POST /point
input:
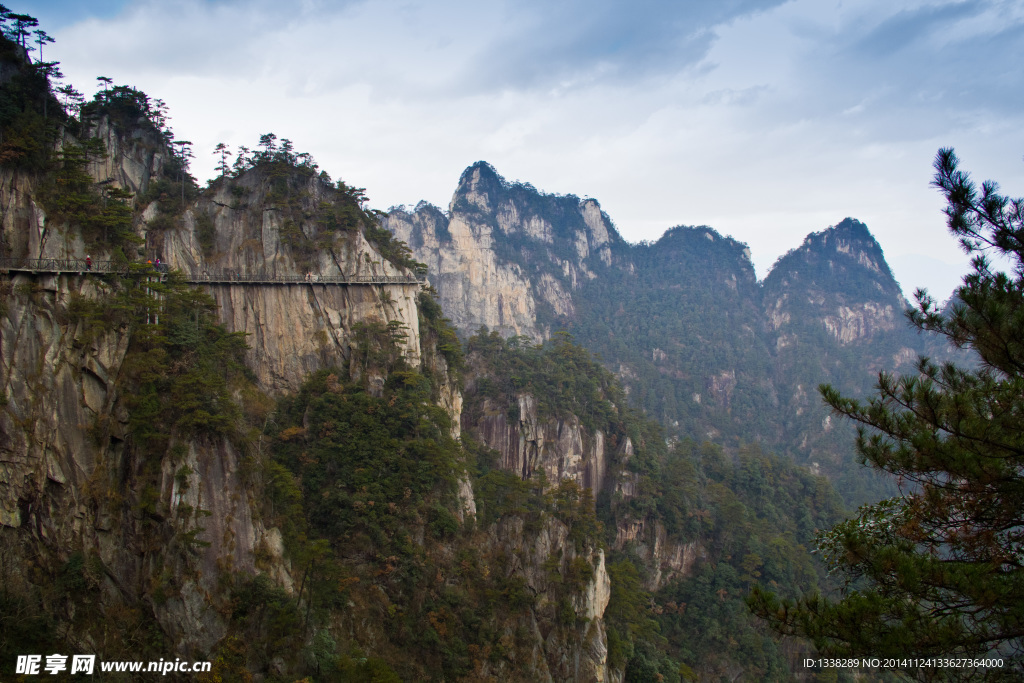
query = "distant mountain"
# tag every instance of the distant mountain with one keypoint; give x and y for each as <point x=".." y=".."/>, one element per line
<point x="697" y="341"/>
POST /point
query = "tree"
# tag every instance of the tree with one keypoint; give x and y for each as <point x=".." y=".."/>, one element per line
<point x="242" y="162"/>
<point x="268" y="142"/>
<point x="22" y="24"/>
<point x="48" y="70"/>
<point x="106" y="81"/>
<point x="223" y="152"/>
<point x="287" y="151"/>
<point x="41" y="39"/>
<point x="939" y="569"/>
<point x="184" y="154"/>
<point x="160" y="114"/>
<point x="72" y="99"/>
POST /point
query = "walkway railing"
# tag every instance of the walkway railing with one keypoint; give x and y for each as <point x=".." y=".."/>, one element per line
<point x="61" y="265"/>
<point x="227" y="277"/>
<point x="239" y="277"/>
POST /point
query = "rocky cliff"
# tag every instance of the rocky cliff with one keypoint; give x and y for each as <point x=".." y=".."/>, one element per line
<point x="75" y="482"/>
<point x="292" y="330"/>
<point x="507" y="257"/>
<point x="837" y="315"/>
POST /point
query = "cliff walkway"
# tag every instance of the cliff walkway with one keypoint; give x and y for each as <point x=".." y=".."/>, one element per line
<point x="206" y="277"/>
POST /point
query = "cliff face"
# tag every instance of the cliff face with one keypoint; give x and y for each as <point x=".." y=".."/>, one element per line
<point x="561" y="449"/>
<point x="567" y="652"/>
<point x="836" y="314"/>
<point x="293" y="330"/>
<point x="71" y="485"/>
<point x="837" y="279"/>
<point x="74" y="484"/>
<point x="507" y="257"/>
<point x="550" y="416"/>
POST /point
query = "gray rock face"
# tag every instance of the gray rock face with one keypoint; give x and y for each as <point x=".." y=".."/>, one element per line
<point x="477" y="290"/>
<point x="833" y="297"/>
<point x="484" y="255"/>
<point x="132" y="159"/>
<point x="666" y="558"/>
<point x="53" y="392"/>
<point x="838" y="280"/>
<point x="561" y="449"/>
<point x="575" y="652"/>
<point x="296" y="329"/>
<point x="63" y="489"/>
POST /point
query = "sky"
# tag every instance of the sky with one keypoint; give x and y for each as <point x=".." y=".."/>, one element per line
<point x="764" y="119"/>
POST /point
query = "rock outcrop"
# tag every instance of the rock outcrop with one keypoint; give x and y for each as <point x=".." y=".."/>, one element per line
<point x="293" y="330"/>
<point x="561" y="449"/>
<point x="576" y="651"/>
<point x="506" y="257"/>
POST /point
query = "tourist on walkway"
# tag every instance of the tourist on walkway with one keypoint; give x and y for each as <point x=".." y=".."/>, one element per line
<point x="88" y="262"/>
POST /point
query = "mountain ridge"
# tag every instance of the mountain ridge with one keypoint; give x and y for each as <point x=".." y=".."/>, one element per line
<point x="698" y="340"/>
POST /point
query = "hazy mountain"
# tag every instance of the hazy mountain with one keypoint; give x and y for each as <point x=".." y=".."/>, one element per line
<point x="697" y="341"/>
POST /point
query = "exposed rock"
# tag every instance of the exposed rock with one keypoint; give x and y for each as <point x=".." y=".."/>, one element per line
<point x="666" y="559"/>
<point x="566" y="652"/>
<point x="293" y="330"/>
<point x="69" y="481"/>
<point x="564" y="265"/>
<point x="851" y="323"/>
<point x="479" y="281"/>
<point x="475" y="289"/>
<point x="721" y="386"/>
<point x="133" y="158"/>
<point x="562" y="449"/>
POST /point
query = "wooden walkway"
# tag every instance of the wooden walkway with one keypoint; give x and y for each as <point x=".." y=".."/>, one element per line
<point x="207" y="277"/>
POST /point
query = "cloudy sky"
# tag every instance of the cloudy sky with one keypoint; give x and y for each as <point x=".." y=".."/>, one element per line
<point x="764" y="119"/>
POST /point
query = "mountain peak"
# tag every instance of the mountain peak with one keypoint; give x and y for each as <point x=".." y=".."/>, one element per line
<point x="853" y="227"/>
<point x="834" y="259"/>
<point x="838" y="237"/>
<point x="481" y="173"/>
<point x="479" y="185"/>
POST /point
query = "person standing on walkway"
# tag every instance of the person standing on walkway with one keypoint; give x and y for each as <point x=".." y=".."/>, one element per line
<point x="88" y="262"/>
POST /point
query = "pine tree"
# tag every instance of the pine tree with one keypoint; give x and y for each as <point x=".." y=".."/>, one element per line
<point x="42" y="38"/>
<point x="223" y="151"/>
<point x="939" y="569"/>
<point x="22" y="24"/>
